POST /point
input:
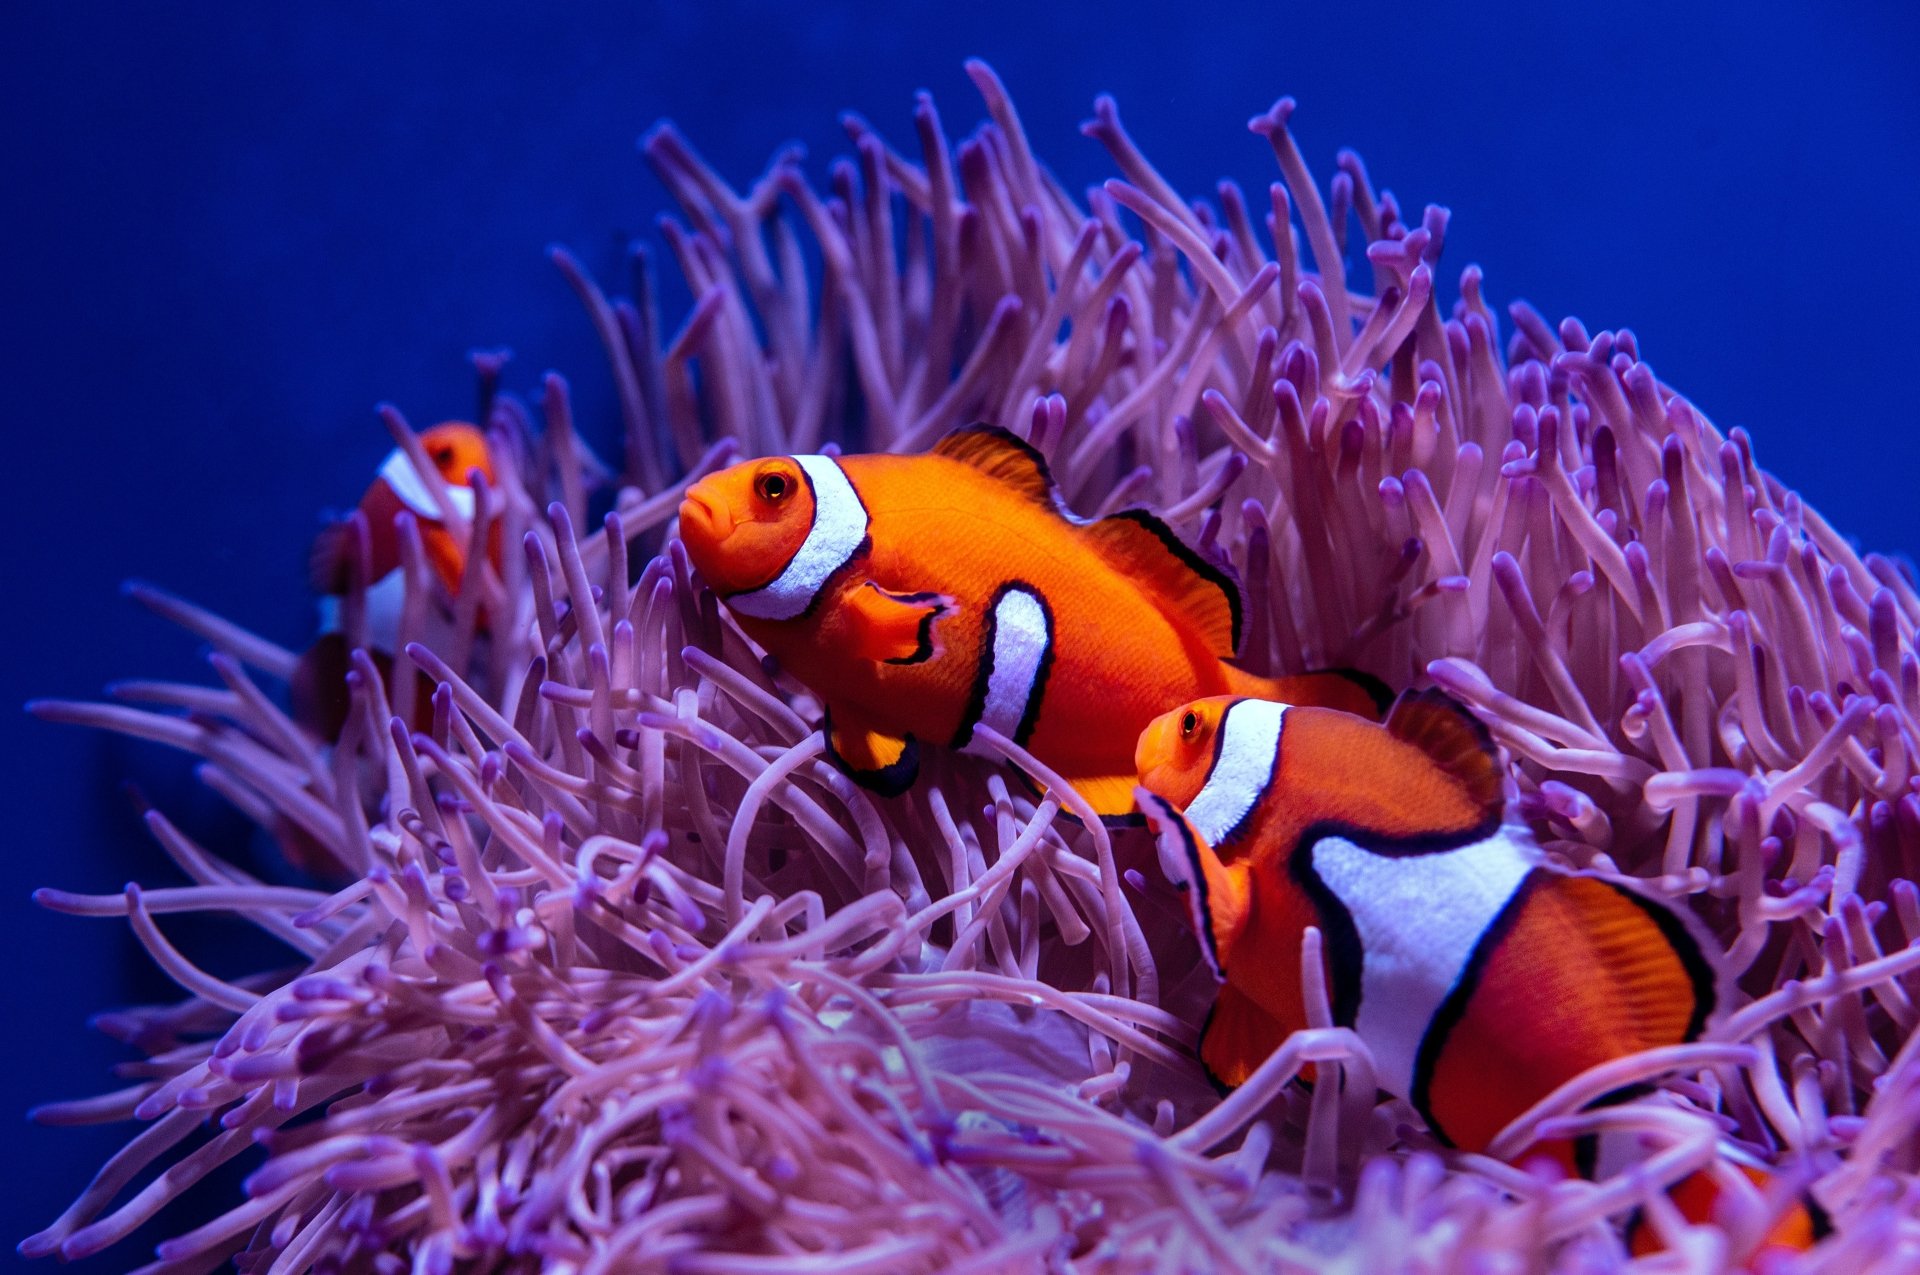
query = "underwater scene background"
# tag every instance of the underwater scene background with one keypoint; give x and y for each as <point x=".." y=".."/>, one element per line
<point x="229" y="234"/>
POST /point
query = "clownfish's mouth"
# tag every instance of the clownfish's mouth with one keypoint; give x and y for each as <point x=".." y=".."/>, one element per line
<point x="704" y="521"/>
<point x="1153" y="749"/>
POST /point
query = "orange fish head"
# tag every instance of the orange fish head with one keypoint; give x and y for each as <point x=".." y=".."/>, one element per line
<point x="458" y="449"/>
<point x="743" y="525"/>
<point x="1176" y="749"/>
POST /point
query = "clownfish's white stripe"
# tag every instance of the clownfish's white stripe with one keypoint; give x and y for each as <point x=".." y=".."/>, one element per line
<point x="397" y="472"/>
<point x="385" y="597"/>
<point x="1242" y="769"/>
<point x="1419" y="918"/>
<point x="1022" y="635"/>
<point x="839" y="528"/>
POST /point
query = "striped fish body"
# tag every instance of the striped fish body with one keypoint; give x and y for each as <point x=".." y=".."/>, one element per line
<point x="933" y="594"/>
<point x="1480" y="977"/>
<point x="457" y="451"/>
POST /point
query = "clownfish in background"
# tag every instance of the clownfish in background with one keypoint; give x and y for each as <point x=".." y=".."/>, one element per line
<point x="1480" y="977"/>
<point x="921" y="596"/>
<point x="458" y="451"/>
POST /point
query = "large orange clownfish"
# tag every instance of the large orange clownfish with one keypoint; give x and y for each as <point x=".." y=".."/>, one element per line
<point x="1480" y="977"/>
<point x="458" y="452"/>
<point x="923" y="596"/>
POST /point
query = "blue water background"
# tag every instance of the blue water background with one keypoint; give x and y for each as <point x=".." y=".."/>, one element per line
<point x="228" y="231"/>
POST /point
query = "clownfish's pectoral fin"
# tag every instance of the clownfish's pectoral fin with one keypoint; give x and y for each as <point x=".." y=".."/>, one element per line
<point x="894" y="628"/>
<point x="1239" y="1035"/>
<point x="886" y="764"/>
<point x="1219" y="895"/>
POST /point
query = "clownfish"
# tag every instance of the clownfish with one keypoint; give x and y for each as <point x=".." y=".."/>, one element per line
<point x="1480" y="977"/>
<point x="458" y="451"/>
<point x="920" y="597"/>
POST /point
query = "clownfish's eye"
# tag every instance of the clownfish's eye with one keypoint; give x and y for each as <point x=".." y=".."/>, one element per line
<point x="443" y="457"/>
<point x="773" y="487"/>
<point x="1189" y="725"/>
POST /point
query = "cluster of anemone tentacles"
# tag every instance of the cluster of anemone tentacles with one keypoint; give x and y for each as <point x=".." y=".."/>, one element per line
<point x="617" y="972"/>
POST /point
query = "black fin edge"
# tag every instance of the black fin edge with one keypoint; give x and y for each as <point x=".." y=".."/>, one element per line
<point x="1191" y="559"/>
<point x="924" y="651"/>
<point x="888" y="781"/>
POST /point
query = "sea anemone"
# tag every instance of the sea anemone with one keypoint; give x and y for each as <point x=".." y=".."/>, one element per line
<point x="616" y="971"/>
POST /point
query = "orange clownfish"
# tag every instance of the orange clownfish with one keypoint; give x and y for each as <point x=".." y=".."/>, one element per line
<point x="458" y="451"/>
<point x="1480" y="977"/>
<point x="923" y="596"/>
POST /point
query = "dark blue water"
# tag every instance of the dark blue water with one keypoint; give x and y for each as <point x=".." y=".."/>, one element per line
<point x="226" y="234"/>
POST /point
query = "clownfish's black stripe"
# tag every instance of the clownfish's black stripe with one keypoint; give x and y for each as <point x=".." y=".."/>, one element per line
<point x="1192" y="561"/>
<point x="976" y="702"/>
<point x="1819" y="1218"/>
<point x="924" y="651"/>
<point x="1340" y="938"/>
<point x="1454" y="1007"/>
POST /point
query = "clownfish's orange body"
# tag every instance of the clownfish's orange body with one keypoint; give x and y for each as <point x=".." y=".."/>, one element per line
<point x="922" y="596"/>
<point x="458" y="452"/>
<point x="1480" y="977"/>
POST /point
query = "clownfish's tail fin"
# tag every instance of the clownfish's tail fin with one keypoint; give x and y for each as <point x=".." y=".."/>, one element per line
<point x="1348" y="690"/>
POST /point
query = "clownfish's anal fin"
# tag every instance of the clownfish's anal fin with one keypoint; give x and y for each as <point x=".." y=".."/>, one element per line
<point x="1111" y="796"/>
<point x="1239" y="1035"/>
<point x="1005" y="457"/>
<point x="893" y="628"/>
<point x="886" y="764"/>
<point x="1442" y="728"/>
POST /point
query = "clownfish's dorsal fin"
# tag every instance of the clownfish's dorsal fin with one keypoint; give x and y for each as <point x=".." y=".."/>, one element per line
<point x="1140" y="546"/>
<point x="1455" y="740"/>
<point x="1004" y="456"/>
<point x="1133" y="542"/>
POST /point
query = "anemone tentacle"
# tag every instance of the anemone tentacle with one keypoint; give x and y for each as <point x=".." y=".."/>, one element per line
<point x="621" y="973"/>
